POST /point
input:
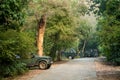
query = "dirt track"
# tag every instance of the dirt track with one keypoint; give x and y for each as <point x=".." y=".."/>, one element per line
<point x="77" y="69"/>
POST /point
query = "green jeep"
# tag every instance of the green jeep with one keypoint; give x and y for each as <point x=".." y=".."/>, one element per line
<point x="71" y="54"/>
<point x="42" y="62"/>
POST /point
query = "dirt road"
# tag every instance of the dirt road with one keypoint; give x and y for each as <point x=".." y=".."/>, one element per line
<point x="77" y="69"/>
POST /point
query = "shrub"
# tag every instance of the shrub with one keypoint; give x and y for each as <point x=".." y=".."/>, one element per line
<point x="14" y="43"/>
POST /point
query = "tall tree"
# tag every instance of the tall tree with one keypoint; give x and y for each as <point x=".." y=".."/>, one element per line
<point x="85" y="31"/>
<point x="59" y="28"/>
<point x="109" y="29"/>
<point x="61" y="22"/>
<point x="41" y="31"/>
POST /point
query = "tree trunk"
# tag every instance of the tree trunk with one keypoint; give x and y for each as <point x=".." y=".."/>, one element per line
<point x="59" y="56"/>
<point x="40" y="37"/>
<point x="83" y="49"/>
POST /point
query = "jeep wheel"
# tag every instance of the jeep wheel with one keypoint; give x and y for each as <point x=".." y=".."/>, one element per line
<point x="43" y="65"/>
<point x="70" y="57"/>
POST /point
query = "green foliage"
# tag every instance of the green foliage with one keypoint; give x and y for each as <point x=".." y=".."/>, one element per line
<point x="109" y="29"/>
<point x="62" y="20"/>
<point x="12" y="14"/>
<point x="25" y="44"/>
<point x="87" y="36"/>
<point x="98" y="6"/>
<point x="13" y="69"/>
<point x="12" y="42"/>
<point x="59" y="30"/>
<point x="15" y="44"/>
<point x="92" y="42"/>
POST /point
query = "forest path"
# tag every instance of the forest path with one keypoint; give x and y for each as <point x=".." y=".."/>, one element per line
<point x="76" y="69"/>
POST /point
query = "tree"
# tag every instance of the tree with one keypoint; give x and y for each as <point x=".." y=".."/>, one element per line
<point x="108" y="28"/>
<point x="86" y="32"/>
<point x="62" y="25"/>
<point x="12" y="14"/>
<point x="40" y="37"/>
<point x="62" y="19"/>
<point x="58" y="30"/>
<point x="13" y="41"/>
<point x="98" y="6"/>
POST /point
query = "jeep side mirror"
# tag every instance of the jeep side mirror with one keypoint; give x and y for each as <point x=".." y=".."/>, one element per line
<point x="33" y="56"/>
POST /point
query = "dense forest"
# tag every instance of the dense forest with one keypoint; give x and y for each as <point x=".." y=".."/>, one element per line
<point x="48" y="27"/>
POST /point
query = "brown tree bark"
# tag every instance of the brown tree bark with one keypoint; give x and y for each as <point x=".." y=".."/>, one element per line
<point x="84" y="45"/>
<point x="59" y="56"/>
<point x="40" y="35"/>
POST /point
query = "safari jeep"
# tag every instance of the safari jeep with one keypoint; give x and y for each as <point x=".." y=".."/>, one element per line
<point x="42" y="62"/>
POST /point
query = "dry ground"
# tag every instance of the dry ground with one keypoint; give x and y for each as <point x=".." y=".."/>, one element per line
<point x="106" y="71"/>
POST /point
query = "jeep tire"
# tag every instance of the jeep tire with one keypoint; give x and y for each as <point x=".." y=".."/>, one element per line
<point x="43" y="65"/>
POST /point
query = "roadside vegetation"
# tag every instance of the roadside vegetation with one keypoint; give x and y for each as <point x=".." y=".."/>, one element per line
<point x="108" y="28"/>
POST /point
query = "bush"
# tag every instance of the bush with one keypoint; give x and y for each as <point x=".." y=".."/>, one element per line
<point x="13" y="69"/>
<point x="14" y="43"/>
<point x="114" y="55"/>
